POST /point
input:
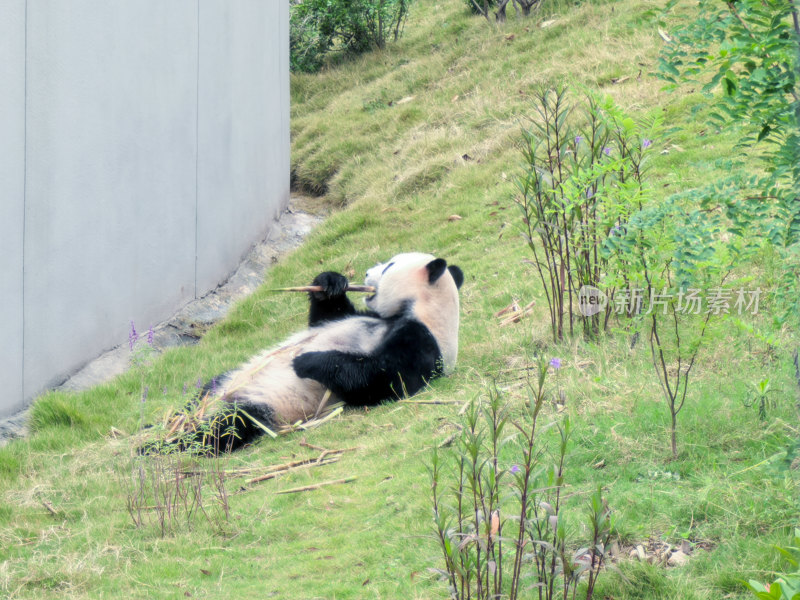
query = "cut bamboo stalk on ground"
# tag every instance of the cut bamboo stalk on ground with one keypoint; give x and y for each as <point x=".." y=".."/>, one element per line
<point x="316" y="486"/>
<point x="48" y="506"/>
<point x="322" y="403"/>
<point x="433" y="402"/>
<point x="513" y="307"/>
<point x="516" y="314"/>
<point x="305" y="444"/>
<point x="305" y="425"/>
<point x="312" y="463"/>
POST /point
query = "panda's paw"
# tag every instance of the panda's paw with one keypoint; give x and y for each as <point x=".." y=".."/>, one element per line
<point x="332" y="284"/>
<point x="307" y="365"/>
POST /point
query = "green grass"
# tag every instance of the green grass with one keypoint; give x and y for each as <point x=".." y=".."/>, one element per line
<point x="397" y="171"/>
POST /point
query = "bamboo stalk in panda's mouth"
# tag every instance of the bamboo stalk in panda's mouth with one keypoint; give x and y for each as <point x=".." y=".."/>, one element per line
<point x="318" y="288"/>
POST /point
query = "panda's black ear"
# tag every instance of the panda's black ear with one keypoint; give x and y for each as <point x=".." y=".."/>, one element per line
<point x="435" y="269"/>
<point x="458" y="275"/>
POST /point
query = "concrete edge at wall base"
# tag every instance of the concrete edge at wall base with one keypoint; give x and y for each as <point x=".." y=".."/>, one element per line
<point x="114" y="361"/>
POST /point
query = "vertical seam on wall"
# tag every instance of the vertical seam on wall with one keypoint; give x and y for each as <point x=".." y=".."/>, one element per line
<point x="287" y="99"/>
<point x="281" y="88"/>
<point x="24" y="189"/>
<point x="197" y="153"/>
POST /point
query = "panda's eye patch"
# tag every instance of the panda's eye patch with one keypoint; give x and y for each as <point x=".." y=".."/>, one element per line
<point x="386" y="268"/>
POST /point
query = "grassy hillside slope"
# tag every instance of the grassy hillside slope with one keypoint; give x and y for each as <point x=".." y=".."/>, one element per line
<point x="400" y="141"/>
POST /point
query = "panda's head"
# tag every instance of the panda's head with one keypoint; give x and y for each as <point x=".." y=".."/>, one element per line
<point x="424" y="287"/>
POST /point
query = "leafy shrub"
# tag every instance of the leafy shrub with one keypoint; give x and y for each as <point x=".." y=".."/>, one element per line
<point x="478" y="7"/>
<point x="787" y="585"/>
<point x="498" y="539"/>
<point x="595" y="234"/>
<point x="582" y="182"/>
<point x="307" y="47"/>
<point x="674" y="262"/>
<point x="482" y="7"/>
<point x="173" y="491"/>
<point x="750" y="50"/>
<point x="319" y="27"/>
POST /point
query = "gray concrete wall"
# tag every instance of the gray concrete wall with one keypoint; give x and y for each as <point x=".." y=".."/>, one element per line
<point x="144" y="146"/>
<point x="12" y="199"/>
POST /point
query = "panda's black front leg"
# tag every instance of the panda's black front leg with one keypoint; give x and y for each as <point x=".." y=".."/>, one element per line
<point x="357" y="379"/>
<point x="332" y="302"/>
<point x="398" y="367"/>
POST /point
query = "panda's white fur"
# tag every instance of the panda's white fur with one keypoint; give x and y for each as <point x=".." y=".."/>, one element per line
<point x="408" y="336"/>
<point x="269" y="378"/>
<point x="436" y="306"/>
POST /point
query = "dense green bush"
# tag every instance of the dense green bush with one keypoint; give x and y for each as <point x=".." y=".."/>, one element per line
<point x="787" y="585"/>
<point x="320" y="27"/>
<point x="749" y="51"/>
<point x="477" y="6"/>
<point x="483" y="7"/>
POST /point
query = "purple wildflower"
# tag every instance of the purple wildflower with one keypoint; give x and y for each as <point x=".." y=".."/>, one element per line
<point x="589" y="193"/>
<point x="555" y="363"/>
<point x="150" y="335"/>
<point x="133" y="337"/>
<point x="199" y="384"/>
<point x="607" y="151"/>
<point x="646" y="143"/>
<point x="578" y="139"/>
<point x="184" y="388"/>
<point x="145" y="392"/>
<point x="514" y="469"/>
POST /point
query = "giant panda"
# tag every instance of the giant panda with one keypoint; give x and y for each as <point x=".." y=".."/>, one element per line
<point x="407" y="336"/>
